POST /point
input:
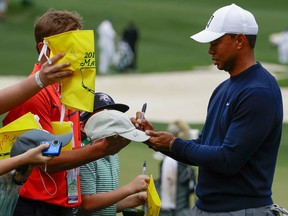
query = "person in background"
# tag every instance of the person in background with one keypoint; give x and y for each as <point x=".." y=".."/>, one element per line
<point x="279" y="40"/>
<point x="3" y="10"/>
<point x="101" y="194"/>
<point x="106" y="45"/>
<point x="177" y="180"/>
<point x="237" y="149"/>
<point x="283" y="48"/>
<point x="131" y="36"/>
<point x="46" y="191"/>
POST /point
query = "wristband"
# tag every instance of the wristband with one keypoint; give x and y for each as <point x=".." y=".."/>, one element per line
<point x="38" y="80"/>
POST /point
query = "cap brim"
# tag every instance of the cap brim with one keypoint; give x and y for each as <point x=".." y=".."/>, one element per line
<point x="64" y="138"/>
<point x="135" y="135"/>
<point x="206" y="36"/>
<point x="120" y="107"/>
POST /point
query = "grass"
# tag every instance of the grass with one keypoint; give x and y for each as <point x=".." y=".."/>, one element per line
<point x="283" y="82"/>
<point x="165" y="28"/>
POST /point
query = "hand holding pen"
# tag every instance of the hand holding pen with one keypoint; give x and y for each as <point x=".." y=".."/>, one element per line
<point x="143" y="111"/>
<point x="140" y="121"/>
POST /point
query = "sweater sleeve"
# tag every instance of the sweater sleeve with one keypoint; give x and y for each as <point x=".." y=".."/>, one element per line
<point x="252" y="121"/>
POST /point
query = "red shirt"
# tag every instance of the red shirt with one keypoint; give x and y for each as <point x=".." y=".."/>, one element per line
<point x="47" y="105"/>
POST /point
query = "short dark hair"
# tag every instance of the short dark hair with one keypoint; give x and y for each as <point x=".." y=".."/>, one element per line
<point x="55" y="22"/>
<point x="251" y="39"/>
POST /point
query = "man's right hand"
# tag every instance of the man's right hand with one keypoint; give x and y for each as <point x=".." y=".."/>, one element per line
<point x="141" y="124"/>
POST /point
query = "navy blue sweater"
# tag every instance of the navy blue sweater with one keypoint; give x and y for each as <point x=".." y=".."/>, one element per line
<point x="237" y="149"/>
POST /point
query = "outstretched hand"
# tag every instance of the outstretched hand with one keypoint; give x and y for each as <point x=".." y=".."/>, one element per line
<point x="35" y="156"/>
<point x="52" y="73"/>
<point x="141" y="124"/>
<point x="112" y="145"/>
<point x="159" y="140"/>
<point x="139" y="183"/>
<point x="142" y="196"/>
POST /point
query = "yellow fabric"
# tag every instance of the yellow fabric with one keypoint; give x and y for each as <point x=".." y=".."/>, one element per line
<point x="153" y="199"/>
<point x="10" y="132"/>
<point x="65" y="127"/>
<point x="77" y="93"/>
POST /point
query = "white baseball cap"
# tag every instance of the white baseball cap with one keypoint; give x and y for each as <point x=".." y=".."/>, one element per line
<point x="230" y="19"/>
<point x="108" y="123"/>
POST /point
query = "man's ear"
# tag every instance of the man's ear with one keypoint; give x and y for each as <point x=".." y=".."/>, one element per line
<point x="240" y="40"/>
<point x="39" y="46"/>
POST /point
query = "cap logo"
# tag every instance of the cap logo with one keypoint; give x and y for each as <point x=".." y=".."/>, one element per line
<point x="106" y="99"/>
<point x="209" y="22"/>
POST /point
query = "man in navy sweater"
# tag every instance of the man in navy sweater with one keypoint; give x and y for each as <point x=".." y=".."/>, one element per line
<point x="237" y="149"/>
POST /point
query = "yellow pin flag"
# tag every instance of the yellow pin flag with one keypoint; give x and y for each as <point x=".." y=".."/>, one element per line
<point x="11" y="131"/>
<point x="77" y="92"/>
<point x="153" y="199"/>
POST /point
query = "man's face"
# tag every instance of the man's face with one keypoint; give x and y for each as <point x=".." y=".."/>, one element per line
<point x="223" y="52"/>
